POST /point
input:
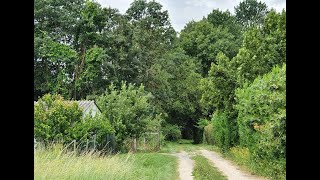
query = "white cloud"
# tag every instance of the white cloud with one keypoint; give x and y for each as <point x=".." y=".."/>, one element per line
<point x="183" y="11"/>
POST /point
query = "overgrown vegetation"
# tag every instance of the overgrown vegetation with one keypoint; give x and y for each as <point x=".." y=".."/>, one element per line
<point x="55" y="162"/>
<point x="262" y="121"/>
<point x="57" y="120"/>
<point x="221" y="81"/>
<point x="129" y="111"/>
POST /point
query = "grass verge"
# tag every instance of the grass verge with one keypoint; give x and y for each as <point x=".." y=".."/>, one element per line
<point x="54" y="163"/>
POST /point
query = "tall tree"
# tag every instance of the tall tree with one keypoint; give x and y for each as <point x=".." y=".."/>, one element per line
<point x="217" y="100"/>
<point x="54" y="24"/>
<point x="67" y="34"/>
<point x="226" y="20"/>
<point x="263" y="48"/>
<point x="203" y="41"/>
<point x="151" y="36"/>
<point x="251" y="13"/>
<point x="174" y="83"/>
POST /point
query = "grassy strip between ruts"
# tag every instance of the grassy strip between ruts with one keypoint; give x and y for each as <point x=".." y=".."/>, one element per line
<point x="204" y="170"/>
<point x="53" y="163"/>
<point x="152" y="166"/>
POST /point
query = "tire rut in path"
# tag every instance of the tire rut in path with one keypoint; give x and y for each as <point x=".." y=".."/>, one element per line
<point x="185" y="166"/>
<point x="226" y="167"/>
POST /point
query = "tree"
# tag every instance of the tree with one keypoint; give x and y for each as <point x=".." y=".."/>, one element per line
<point x="217" y="98"/>
<point x="54" y="22"/>
<point x="52" y="66"/>
<point x="262" y="48"/>
<point x="174" y="84"/>
<point x="227" y="20"/>
<point x="218" y="88"/>
<point x="203" y="41"/>
<point x="152" y="34"/>
<point x="251" y="13"/>
<point x="64" y="32"/>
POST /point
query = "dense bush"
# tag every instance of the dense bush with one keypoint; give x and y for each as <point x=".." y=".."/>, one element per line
<point x="221" y="130"/>
<point x="54" y="118"/>
<point x="97" y="129"/>
<point x="128" y="109"/>
<point x="262" y="120"/>
<point x="58" y="120"/>
<point x="208" y="134"/>
<point x="171" y="132"/>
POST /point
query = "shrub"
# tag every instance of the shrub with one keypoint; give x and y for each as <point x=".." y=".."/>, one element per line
<point x="54" y="119"/>
<point x="262" y="120"/>
<point x="208" y="134"/>
<point x="171" y="132"/>
<point x="221" y="130"/>
<point x="128" y="109"/>
<point x="96" y="128"/>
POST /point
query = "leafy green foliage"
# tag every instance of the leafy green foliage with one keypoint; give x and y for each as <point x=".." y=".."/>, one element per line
<point x="59" y="120"/>
<point x="225" y="19"/>
<point x="218" y="95"/>
<point x="263" y="48"/>
<point x="95" y="128"/>
<point x="174" y="83"/>
<point x="54" y="119"/>
<point x="218" y="88"/>
<point x="208" y="137"/>
<point x="262" y="120"/>
<point x="67" y="37"/>
<point x="222" y="130"/>
<point x="171" y="132"/>
<point x="128" y="109"/>
<point x="204" y="41"/>
<point x="251" y="13"/>
<point x="152" y="34"/>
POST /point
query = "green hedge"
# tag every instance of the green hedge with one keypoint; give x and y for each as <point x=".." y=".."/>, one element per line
<point x="262" y="120"/>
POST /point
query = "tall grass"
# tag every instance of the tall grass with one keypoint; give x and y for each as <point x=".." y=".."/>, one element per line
<point x="153" y="166"/>
<point x="56" y="162"/>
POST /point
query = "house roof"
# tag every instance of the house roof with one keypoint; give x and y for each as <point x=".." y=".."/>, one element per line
<point x="83" y="104"/>
<point x="86" y="104"/>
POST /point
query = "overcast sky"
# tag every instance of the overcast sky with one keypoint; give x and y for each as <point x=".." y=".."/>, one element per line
<point x="183" y="11"/>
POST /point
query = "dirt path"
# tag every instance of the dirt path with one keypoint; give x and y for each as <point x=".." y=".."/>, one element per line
<point x="185" y="165"/>
<point x="228" y="169"/>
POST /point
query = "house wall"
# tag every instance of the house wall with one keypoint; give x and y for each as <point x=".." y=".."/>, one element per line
<point x="94" y="110"/>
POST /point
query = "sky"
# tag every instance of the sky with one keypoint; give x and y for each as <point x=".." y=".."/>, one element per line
<point x="183" y="11"/>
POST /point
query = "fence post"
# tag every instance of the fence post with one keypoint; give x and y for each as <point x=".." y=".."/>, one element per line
<point x="94" y="142"/>
<point x="159" y="140"/>
<point x="87" y="144"/>
<point x="135" y="144"/>
<point x="74" y="145"/>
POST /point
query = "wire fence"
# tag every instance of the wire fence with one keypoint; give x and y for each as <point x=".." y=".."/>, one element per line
<point x="148" y="142"/>
<point x="107" y="145"/>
